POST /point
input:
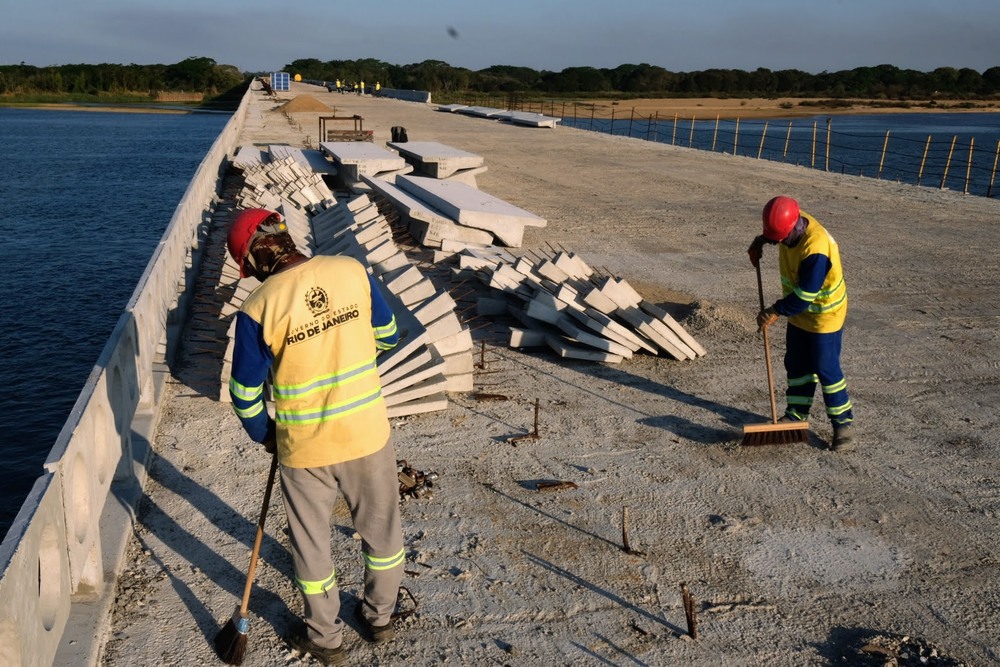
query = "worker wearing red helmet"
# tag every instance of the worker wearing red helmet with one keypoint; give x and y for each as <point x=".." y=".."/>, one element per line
<point x="314" y="326"/>
<point x="814" y="299"/>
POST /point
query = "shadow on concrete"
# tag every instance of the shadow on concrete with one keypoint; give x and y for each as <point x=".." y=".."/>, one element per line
<point x="230" y="577"/>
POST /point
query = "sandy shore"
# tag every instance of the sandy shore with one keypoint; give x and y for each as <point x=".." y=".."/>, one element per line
<point x="779" y="107"/>
<point x="700" y="108"/>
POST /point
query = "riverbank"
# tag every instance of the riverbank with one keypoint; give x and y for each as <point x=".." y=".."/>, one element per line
<point x="793" y="554"/>
<point x="702" y="108"/>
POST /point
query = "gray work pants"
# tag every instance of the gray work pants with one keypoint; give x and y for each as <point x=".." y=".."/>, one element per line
<point x="370" y="487"/>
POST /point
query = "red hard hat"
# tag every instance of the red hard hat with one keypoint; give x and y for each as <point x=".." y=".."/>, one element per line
<point x="780" y="215"/>
<point x="241" y="233"/>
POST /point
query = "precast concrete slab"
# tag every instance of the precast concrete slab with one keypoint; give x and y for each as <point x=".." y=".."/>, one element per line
<point x="358" y="158"/>
<point x="435" y="159"/>
<point x="473" y="208"/>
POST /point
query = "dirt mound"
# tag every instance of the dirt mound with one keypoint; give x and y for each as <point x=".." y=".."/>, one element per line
<point x="303" y="103"/>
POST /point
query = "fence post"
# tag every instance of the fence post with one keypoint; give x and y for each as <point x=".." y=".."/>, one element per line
<point x="828" y="123"/>
<point x="927" y="147"/>
<point x="715" y="134"/>
<point x="881" y="162"/>
<point x="673" y="136"/>
<point x="592" y="107"/>
<point x="630" y="119"/>
<point x="788" y="138"/>
<point x="612" y="133"/>
<point x="947" y="164"/>
<point x="736" y="136"/>
<point x="812" y="163"/>
<point x="989" y="190"/>
<point x="691" y="137"/>
<point x="968" y="167"/>
<point x="760" y="149"/>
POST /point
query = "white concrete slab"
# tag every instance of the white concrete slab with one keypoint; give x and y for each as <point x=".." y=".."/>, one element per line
<point x="473" y="208"/>
<point x="482" y="112"/>
<point x="435" y="159"/>
<point x="357" y="158"/>
<point x="528" y="118"/>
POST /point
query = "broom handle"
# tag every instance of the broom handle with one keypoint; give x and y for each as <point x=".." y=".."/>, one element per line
<point x="260" y="536"/>
<point x="767" y="351"/>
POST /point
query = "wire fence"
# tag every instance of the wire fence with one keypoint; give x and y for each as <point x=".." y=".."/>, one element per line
<point x="907" y="154"/>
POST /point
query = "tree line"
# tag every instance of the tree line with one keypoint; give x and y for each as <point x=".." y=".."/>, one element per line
<point x="644" y="80"/>
<point x="204" y="75"/>
<point x="197" y="75"/>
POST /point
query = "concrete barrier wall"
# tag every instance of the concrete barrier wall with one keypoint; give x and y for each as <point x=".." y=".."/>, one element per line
<point x="54" y="554"/>
<point x="408" y="95"/>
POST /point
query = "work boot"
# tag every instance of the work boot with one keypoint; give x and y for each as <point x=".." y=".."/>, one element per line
<point x="299" y="640"/>
<point x="843" y="439"/>
<point x="376" y="634"/>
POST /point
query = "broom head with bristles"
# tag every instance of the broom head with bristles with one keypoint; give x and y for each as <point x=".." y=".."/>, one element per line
<point x="231" y="642"/>
<point x="779" y="433"/>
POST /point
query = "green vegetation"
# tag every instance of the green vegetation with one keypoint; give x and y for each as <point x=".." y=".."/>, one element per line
<point x="881" y="82"/>
<point x="194" y="81"/>
<point x="203" y="78"/>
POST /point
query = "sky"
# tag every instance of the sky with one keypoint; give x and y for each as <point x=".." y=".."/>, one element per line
<point x="256" y="36"/>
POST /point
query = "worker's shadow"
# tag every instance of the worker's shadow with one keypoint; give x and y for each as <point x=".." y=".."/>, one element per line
<point x="203" y="558"/>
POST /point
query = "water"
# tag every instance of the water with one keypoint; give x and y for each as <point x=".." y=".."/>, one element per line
<point x="961" y="154"/>
<point x="86" y="198"/>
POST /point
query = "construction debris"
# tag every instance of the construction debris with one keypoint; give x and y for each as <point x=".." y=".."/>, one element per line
<point x="414" y="483"/>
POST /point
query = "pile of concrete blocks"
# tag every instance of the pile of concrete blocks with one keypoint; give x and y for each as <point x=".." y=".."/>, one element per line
<point x="434" y="355"/>
<point x="283" y="180"/>
<point x="562" y="304"/>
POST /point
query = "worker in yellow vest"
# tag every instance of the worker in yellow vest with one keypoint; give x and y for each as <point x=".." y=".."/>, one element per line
<point x="815" y="302"/>
<point x="315" y="326"/>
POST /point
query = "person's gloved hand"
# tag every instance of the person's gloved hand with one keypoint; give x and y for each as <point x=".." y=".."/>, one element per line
<point x="756" y="250"/>
<point x="270" y="441"/>
<point x="766" y="318"/>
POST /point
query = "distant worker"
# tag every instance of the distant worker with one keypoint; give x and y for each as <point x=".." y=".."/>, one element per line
<point x="378" y="86"/>
<point x="361" y="91"/>
<point x="338" y="86"/>
<point x="315" y="325"/>
<point x="815" y="302"/>
<point x="356" y="90"/>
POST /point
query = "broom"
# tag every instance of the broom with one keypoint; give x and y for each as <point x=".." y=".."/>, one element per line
<point x="774" y="433"/>
<point x="231" y="642"/>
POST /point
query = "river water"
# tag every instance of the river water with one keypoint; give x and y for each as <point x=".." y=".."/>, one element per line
<point x="86" y="198"/>
<point x="957" y="151"/>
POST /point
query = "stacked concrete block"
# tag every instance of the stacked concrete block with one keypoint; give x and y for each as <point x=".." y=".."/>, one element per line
<point x="428" y="227"/>
<point x="287" y="180"/>
<point x="355" y="159"/>
<point x="437" y="160"/>
<point x="561" y="303"/>
<point x="470" y="207"/>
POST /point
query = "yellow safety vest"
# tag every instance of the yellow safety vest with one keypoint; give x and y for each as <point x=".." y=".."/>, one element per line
<point x="828" y="307"/>
<point x="316" y="319"/>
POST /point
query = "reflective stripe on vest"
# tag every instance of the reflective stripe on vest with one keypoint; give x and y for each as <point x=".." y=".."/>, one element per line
<point x="327" y="412"/>
<point x="291" y="391"/>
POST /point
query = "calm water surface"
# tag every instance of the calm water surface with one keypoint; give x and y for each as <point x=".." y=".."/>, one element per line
<point x="86" y="198"/>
